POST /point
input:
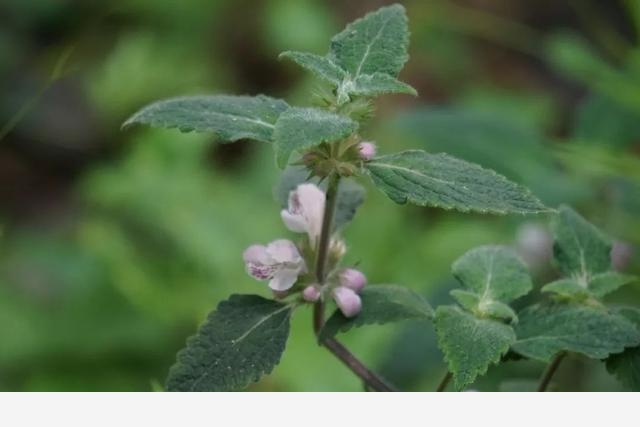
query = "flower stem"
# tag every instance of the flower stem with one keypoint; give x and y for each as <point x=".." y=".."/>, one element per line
<point x="550" y="371"/>
<point x="327" y="224"/>
<point x="444" y="382"/>
<point x="371" y="380"/>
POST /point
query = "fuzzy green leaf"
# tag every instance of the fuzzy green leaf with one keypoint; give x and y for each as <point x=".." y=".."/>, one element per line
<point x="377" y="42"/>
<point x="380" y="304"/>
<point x="468" y="300"/>
<point x="230" y="117"/>
<point x="595" y="332"/>
<point x="443" y="181"/>
<point x="300" y="128"/>
<point x="626" y="365"/>
<point x="580" y="249"/>
<point x="495" y="273"/>
<point x="604" y="283"/>
<point x="242" y="340"/>
<point x="321" y="66"/>
<point x="379" y="84"/>
<point x="567" y="288"/>
<point x="470" y="344"/>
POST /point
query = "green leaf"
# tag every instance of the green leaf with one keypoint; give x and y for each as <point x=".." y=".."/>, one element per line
<point x="468" y="300"/>
<point x="230" y="117"/>
<point x="567" y="288"/>
<point x="380" y="304"/>
<point x="350" y="193"/>
<point x="595" y="332"/>
<point x="377" y="42"/>
<point x="321" y="66"/>
<point x="470" y="344"/>
<point x="626" y="365"/>
<point x="379" y="84"/>
<point x="580" y="249"/>
<point x="498" y="310"/>
<point x="605" y="283"/>
<point x="300" y="128"/>
<point x="495" y="273"/>
<point x="350" y="197"/>
<point x="471" y="301"/>
<point x="443" y="181"/>
<point x="239" y="343"/>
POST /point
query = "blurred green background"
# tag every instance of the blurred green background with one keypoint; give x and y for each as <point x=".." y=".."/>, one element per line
<point x="114" y="245"/>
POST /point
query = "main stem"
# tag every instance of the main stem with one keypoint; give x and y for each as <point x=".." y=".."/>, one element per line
<point x="444" y="382"/>
<point x="341" y="352"/>
<point x="550" y="371"/>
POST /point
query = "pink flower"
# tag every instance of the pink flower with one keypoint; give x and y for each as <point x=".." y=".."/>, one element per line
<point x="352" y="279"/>
<point x="311" y="293"/>
<point x="367" y="150"/>
<point x="305" y="211"/>
<point x="347" y="300"/>
<point x="279" y="262"/>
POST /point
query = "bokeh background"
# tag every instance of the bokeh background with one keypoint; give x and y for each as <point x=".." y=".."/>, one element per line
<point x="114" y="245"/>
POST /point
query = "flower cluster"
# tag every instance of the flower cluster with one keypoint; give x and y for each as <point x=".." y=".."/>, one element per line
<point x="283" y="264"/>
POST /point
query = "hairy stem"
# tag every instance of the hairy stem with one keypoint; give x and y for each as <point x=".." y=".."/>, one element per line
<point x="445" y="381"/>
<point x="550" y="371"/>
<point x="371" y="380"/>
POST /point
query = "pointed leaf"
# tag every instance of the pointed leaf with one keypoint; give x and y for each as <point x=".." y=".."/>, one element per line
<point x="230" y="117"/>
<point x="626" y="365"/>
<point x="378" y="84"/>
<point x="380" y="304"/>
<point x="443" y="181"/>
<point x="300" y="128"/>
<point x="468" y="300"/>
<point x="604" y="283"/>
<point x="321" y="66"/>
<point x="567" y="288"/>
<point x="377" y="42"/>
<point x="495" y="273"/>
<point x="241" y="341"/>
<point x="470" y="344"/>
<point x="595" y="332"/>
<point x="580" y="249"/>
<point x="498" y="310"/>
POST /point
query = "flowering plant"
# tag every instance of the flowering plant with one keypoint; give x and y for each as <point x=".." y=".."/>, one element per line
<point x="246" y="335"/>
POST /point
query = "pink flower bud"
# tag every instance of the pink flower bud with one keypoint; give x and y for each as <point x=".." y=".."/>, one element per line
<point x="367" y="150"/>
<point x="311" y="294"/>
<point x="347" y="300"/>
<point x="353" y="279"/>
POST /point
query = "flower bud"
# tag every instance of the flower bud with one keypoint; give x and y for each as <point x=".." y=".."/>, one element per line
<point x="337" y="249"/>
<point x="621" y="254"/>
<point x="347" y="300"/>
<point x="367" y="150"/>
<point x="352" y="279"/>
<point x="311" y="293"/>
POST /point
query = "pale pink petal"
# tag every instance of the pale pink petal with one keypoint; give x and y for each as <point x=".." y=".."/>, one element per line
<point x="283" y="251"/>
<point x="311" y="293"/>
<point x="294" y="222"/>
<point x="347" y="300"/>
<point x="284" y="279"/>
<point x="367" y="150"/>
<point x="353" y="279"/>
<point x="258" y="263"/>
<point x="312" y="201"/>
